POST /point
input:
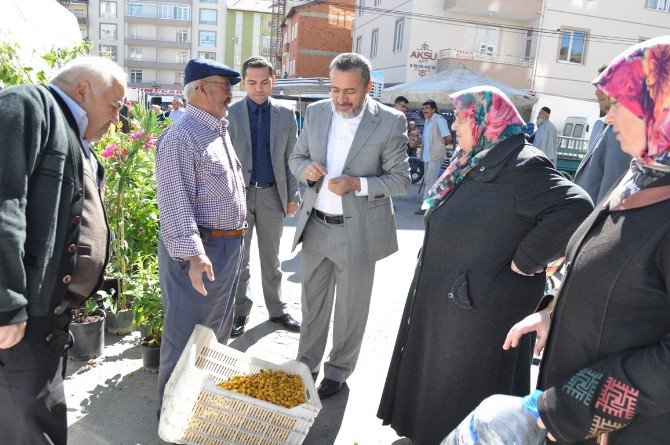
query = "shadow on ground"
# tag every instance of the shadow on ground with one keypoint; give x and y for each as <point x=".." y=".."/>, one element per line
<point x="327" y="424"/>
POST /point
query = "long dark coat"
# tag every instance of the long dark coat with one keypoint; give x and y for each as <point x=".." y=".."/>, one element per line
<point x="464" y="297"/>
<point x="607" y="361"/>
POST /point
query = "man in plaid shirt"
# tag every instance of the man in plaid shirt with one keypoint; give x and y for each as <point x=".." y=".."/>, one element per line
<point x="202" y="205"/>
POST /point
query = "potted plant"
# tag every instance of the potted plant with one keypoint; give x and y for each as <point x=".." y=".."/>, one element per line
<point x="149" y="314"/>
<point x="132" y="211"/>
<point x="88" y="330"/>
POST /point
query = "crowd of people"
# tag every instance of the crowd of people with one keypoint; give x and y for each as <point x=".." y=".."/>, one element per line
<point x="495" y="217"/>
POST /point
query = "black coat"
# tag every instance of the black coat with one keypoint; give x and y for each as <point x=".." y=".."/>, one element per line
<point x="607" y="360"/>
<point x="464" y="297"/>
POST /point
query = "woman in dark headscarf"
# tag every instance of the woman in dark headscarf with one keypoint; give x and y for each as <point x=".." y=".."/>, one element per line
<point x="495" y="218"/>
<point x="606" y="367"/>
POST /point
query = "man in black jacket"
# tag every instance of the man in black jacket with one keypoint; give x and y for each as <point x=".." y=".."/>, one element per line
<point x="54" y="235"/>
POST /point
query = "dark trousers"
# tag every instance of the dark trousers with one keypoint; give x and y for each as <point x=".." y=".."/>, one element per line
<point x="31" y="384"/>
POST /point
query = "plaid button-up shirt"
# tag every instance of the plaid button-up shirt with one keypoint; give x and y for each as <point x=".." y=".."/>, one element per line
<point x="199" y="182"/>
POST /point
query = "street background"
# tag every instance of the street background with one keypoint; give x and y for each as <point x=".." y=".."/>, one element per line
<point x="113" y="400"/>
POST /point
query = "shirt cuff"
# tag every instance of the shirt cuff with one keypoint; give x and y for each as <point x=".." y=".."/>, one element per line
<point x="181" y="249"/>
<point x="364" y="187"/>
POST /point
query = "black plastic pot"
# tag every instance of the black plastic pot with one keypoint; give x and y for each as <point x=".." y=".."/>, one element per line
<point x="151" y="356"/>
<point x="121" y="323"/>
<point x="89" y="337"/>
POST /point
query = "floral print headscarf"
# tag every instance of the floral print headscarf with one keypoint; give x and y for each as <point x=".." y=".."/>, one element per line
<point x="492" y="118"/>
<point x="639" y="79"/>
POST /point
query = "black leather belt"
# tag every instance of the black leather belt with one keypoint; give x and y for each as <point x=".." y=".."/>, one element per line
<point x="261" y="185"/>
<point x="330" y="219"/>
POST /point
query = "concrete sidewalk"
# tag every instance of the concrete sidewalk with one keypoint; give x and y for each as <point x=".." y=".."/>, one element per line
<point x="113" y="400"/>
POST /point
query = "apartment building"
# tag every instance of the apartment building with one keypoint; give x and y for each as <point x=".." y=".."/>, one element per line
<point x="552" y="48"/>
<point x="80" y="10"/>
<point x="249" y="31"/>
<point x="313" y="34"/>
<point x="153" y="40"/>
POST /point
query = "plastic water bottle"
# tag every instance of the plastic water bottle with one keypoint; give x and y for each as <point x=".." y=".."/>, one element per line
<point x="500" y="420"/>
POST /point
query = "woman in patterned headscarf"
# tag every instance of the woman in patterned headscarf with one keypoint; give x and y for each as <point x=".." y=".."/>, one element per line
<point x="495" y="218"/>
<point x="606" y="370"/>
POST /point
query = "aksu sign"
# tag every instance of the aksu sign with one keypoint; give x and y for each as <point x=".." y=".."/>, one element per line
<point x="423" y="60"/>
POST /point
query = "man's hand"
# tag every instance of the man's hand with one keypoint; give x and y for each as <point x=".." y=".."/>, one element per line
<point x="11" y="334"/>
<point x="538" y="322"/>
<point x="315" y="171"/>
<point x="200" y="264"/>
<point x="292" y="209"/>
<point x="344" y="183"/>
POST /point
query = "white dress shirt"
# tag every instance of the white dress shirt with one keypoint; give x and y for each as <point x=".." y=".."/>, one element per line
<point x="340" y="137"/>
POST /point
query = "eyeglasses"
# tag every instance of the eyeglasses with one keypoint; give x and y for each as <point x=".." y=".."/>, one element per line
<point x="226" y="86"/>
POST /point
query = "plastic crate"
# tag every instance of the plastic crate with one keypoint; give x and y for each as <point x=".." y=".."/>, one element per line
<point x="196" y="411"/>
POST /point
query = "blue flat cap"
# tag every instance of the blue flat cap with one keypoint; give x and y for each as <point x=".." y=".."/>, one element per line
<point x="197" y="69"/>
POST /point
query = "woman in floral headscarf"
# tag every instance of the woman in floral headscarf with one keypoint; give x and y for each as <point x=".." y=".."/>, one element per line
<point x="495" y="218"/>
<point x="606" y="367"/>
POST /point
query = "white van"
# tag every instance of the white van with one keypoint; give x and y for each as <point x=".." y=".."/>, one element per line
<point x="576" y="127"/>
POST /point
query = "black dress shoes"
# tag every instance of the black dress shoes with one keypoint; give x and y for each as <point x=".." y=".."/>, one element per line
<point x="288" y="322"/>
<point x="328" y="388"/>
<point x="239" y="322"/>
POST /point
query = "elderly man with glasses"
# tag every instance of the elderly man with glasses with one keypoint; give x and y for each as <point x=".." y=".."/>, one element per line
<point x="202" y="205"/>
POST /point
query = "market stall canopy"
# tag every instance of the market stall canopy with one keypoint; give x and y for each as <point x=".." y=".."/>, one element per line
<point x="37" y="27"/>
<point x="439" y="86"/>
<point x="308" y="88"/>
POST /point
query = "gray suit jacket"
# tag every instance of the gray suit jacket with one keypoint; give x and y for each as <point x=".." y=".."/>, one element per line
<point x="548" y="141"/>
<point x="283" y="134"/>
<point x="602" y="167"/>
<point x="378" y="154"/>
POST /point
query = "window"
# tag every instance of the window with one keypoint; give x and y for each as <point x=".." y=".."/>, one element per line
<point x="178" y="78"/>
<point x="174" y="11"/>
<point x="182" y="36"/>
<point x="209" y="1"/>
<point x="294" y="31"/>
<point x="136" y="76"/>
<point x="572" y="46"/>
<point x="486" y="40"/>
<point x="108" y="51"/>
<point x="107" y="31"/>
<point x="208" y="16"/>
<point x="237" y="59"/>
<point x="207" y="55"/>
<point x="378" y="2"/>
<point x="108" y="10"/>
<point x="135" y="53"/>
<point x="658" y="5"/>
<point x="207" y="38"/>
<point x="397" y="37"/>
<point x="485" y="50"/>
<point x="361" y="6"/>
<point x="182" y="56"/>
<point x="257" y="20"/>
<point x="359" y="44"/>
<point x="237" y="40"/>
<point x="238" y="18"/>
<point x="373" y="43"/>
<point x="527" y="45"/>
<point x="141" y="8"/>
<point x="267" y="41"/>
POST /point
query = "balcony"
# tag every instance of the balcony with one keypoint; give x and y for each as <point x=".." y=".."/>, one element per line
<point x="157" y="21"/>
<point x="82" y="20"/>
<point x="139" y="40"/>
<point x="521" y="10"/>
<point x="512" y="70"/>
<point x="152" y="63"/>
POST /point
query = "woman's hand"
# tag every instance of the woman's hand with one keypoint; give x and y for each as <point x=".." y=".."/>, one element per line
<point x="540" y="423"/>
<point x="538" y="322"/>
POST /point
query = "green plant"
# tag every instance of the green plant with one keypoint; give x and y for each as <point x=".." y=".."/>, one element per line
<point x="14" y="71"/>
<point x="84" y="312"/>
<point x="130" y="198"/>
<point x="147" y="302"/>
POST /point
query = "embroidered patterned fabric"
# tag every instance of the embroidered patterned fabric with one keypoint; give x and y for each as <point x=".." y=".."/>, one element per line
<point x="199" y="182"/>
<point x="492" y="118"/>
<point x="639" y="79"/>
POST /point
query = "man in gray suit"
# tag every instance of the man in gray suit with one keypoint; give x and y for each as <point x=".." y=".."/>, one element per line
<point x="604" y="162"/>
<point x="545" y="138"/>
<point x="263" y="133"/>
<point x="351" y="157"/>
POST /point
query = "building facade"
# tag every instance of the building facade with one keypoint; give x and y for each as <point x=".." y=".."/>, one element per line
<point x="552" y="48"/>
<point x="80" y="10"/>
<point x="314" y="33"/>
<point x="153" y="40"/>
<point x="248" y="31"/>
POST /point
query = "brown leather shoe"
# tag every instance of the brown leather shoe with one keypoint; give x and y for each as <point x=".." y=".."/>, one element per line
<point x="239" y="322"/>
<point x="288" y="322"/>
